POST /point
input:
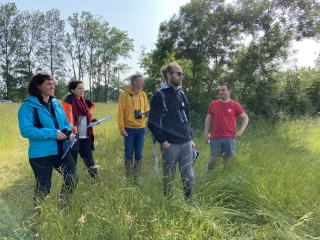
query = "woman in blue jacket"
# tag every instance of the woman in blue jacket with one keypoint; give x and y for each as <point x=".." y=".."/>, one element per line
<point x="43" y="121"/>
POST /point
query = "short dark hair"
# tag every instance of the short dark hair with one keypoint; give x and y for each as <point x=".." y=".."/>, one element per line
<point x="226" y="84"/>
<point x="72" y="85"/>
<point x="167" y="69"/>
<point x="134" y="77"/>
<point x="35" y="81"/>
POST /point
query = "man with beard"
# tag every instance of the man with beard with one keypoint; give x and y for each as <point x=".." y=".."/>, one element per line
<point x="222" y="117"/>
<point x="169" y="122"/>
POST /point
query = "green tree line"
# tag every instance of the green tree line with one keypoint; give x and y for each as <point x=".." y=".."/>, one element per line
<point x="246" y="43"/>
<point x="83" y="47"/>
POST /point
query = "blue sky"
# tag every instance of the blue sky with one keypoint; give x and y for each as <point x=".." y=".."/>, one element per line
<point x="141" y="19"/>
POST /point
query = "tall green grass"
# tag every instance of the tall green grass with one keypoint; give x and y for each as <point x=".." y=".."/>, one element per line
<point x="270" y="190"/>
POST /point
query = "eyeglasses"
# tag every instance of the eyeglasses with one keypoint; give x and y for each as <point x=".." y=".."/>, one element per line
<point x="179" y="73"/>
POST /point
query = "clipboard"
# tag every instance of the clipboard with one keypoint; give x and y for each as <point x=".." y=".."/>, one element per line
<point x="99" y="121"/>
<point x="69" y="146"/>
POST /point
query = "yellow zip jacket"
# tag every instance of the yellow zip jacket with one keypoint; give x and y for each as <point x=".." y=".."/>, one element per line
<point x="128" y="102"/>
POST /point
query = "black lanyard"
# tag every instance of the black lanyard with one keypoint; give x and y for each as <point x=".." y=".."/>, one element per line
<point x="133" y="102"/>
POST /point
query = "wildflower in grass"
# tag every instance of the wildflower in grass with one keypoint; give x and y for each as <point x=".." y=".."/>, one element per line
<point x="82" y="220"/>
<point x="148" y="199"/>
<point x="168" y="234"/>
<point x="130" y="218"/>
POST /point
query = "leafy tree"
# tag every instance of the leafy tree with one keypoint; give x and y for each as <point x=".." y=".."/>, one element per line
<point x="117" y="70"/>
<point x="75" y="45"/>
<point x="271" y="26"/>
<point x="206" y="33"/>
<point x="10" y="45"/>
<point x="95" y="28"/>
<point x="52" y="49"/>
<point x="29" y="62"/>
<point x="243" y="43"/>
<point x="152" y="78"/>
<point x="114" y="44"/>
<point x="94" y="48"/>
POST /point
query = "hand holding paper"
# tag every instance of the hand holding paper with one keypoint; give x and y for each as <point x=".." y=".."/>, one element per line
<point x="98" y="122"/>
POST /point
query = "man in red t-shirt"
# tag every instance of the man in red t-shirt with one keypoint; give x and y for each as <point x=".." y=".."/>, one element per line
<point x="222" y="117"/>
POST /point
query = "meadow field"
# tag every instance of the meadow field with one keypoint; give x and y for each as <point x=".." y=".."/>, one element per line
<point x="270" y="190"/>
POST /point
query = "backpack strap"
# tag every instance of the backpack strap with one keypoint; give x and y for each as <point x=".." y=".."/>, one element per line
<point x="164" y="109"/>
<point x="163" y="97"/>
<point x="183" y="96"/>
<point x="37" y="119"/>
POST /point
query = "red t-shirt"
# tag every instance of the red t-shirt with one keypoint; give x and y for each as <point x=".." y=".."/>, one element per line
<point x="224" y="118"/>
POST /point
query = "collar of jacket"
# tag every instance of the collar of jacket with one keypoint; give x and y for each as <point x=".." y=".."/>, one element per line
<point x="165" y="85"/>
<point x="68" y="99"/>
<point x="129" y="90"/>
<point x="35" y="100"/>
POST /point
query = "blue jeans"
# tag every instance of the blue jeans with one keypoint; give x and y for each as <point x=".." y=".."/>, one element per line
<point x="133" y="143"/>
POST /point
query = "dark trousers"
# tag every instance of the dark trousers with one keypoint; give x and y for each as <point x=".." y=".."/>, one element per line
<point x="42" y="169"/>
<point x="83" y="147"/>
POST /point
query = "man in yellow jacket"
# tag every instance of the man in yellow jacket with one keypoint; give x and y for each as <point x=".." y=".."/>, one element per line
<point x="132" y="113"/>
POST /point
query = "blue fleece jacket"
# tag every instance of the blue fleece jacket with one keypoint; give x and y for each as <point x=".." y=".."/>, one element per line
<point x="43" y="141"/>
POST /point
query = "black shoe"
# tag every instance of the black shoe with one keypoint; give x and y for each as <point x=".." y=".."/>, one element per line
<point x="188" y="192"/>
<point x="93" y="171"/>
